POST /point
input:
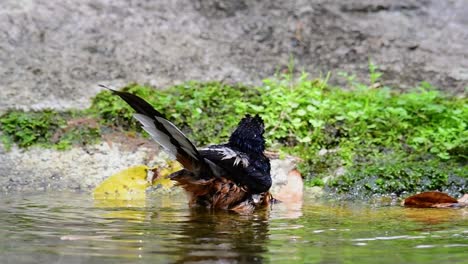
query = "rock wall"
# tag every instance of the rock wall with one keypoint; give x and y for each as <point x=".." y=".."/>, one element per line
<point x="54" y="53"/>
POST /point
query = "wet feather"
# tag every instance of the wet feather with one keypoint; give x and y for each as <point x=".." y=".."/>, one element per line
<point x="232" y="176"/>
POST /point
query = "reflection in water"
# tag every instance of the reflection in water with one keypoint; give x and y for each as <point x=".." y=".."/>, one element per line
<point x="72" y="228"/>
<point x="432" y="216"/>
<point x="223" y="236"/>
<point x="194" y="235"/>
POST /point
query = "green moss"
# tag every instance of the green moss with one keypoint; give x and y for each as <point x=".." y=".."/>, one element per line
<point x="386" y="141"/>
<point x="29" y="128"/>
<point x="359" y="127"/>
<point x="401" y="174"/>
<point x="48" y="128"/>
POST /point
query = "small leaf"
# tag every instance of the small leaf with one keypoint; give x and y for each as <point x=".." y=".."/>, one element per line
<point x="301" y="112"/>
<point x="311" y="108"/>
<point x="316" y="123"/>
<point x="293" y="104"/>
<point x="419" y="140"/>
<point x="443" y="155"/>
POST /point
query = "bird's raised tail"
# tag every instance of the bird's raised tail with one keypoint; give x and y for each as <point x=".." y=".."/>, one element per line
<point x="233" y="176"/>
<point x="166" y="134"/>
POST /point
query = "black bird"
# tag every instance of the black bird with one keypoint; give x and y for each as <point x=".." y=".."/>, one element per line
<point x="233" y="176"/>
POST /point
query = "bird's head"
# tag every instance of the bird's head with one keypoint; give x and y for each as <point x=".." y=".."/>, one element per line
<point x="248" y="136"/>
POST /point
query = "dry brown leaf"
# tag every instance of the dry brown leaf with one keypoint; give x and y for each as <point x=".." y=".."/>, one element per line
<point x="430" y="200"/>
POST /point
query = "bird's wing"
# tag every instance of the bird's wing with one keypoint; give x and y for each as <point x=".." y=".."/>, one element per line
<point x="239" y="167"/>
<point x="166" y="134"/>
<point x="226" y="155"/>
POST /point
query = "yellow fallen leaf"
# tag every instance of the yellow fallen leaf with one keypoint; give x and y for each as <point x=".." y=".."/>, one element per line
<point x="161" y="173"/>
<point x="131" y="183"/>
<point x="128" y="184"/>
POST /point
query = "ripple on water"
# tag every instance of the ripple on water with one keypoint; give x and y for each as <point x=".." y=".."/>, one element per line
<point x="71" y="227"/>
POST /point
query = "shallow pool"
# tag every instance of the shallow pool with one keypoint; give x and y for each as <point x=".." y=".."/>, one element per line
<point x="65" y="227"/>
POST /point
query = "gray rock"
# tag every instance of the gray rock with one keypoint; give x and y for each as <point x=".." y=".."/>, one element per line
<point x="280" y="169"/>
<point x="86" y="167"/>
<point x="54" y="53"/>
<point x="76" y="169"/>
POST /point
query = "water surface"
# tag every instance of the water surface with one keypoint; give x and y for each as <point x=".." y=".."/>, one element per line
<point x="66" y="227"/>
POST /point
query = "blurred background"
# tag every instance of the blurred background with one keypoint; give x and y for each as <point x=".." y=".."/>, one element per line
<point x="54" y="53"/>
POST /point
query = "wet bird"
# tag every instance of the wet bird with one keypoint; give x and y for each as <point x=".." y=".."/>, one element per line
<point x="232" y="176"/>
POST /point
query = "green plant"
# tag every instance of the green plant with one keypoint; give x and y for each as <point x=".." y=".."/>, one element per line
<point x="305" y="117"/>
<point x="29" y="128"/>
<point x="401" y="174"/>
<point x="374" y="75"/>
<point x="206" y="111"/>
<point x="356" y="129"/>
<point x="47" y="128"/>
